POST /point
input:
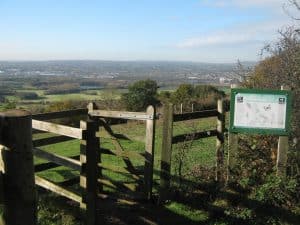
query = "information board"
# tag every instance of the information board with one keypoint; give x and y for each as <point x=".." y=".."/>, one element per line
<point x="260" y="111"/>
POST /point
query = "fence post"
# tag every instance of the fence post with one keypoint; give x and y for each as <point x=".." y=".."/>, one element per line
<point x="220" y="139"/>
<point x="181" y="108"/>
<point x="232" y="149"/>
<point x="282" y="151"/>
<point x="90" y="157"/>
<point x="149" y="151"/>
<point x="19" y="193"/>
<point x="166" y="151"/>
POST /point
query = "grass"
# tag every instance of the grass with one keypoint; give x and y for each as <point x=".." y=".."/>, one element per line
<point x="201" y="153"/>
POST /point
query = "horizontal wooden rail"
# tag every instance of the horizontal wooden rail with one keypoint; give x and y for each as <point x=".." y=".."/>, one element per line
<point x="56" y="189"/>
<point x="121" y="115"/>
<point x="60" y="114"/>
<point x="60" y="160"/>
<point x="194" y="136"/>
<point x="50" y="140"/>
<point x="58" y="129"/>
<point x="195" y="115"/>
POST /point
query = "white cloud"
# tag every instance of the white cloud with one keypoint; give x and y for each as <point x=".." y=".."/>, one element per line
<point x="246" y="3"/>
<point x="242" y="34"/>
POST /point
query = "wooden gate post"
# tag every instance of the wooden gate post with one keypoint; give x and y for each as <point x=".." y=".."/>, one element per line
<point x="90" y="157"/>
<point x="166" y="151"/>
<point x="282" y="151"/>
<point x="232" y="149"/>
<point x="16" y="162"/>
<point x="149" y="158"/>
<point x="220" y="140"/>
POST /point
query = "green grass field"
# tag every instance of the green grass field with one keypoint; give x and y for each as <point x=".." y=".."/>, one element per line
<point x="201" y="152"/>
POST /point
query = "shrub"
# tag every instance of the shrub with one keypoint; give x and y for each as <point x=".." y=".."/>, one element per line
<point x="140" y="94"/>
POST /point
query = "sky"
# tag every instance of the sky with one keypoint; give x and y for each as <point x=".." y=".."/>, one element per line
<point x="172" y="30"/>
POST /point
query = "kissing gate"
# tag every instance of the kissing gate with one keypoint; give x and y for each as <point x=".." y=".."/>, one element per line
<point x="18" y="146"/>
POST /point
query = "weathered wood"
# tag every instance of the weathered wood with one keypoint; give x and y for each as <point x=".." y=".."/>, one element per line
<point x="60" y="160"/>
<point x="220" y="140"/>
<point x="195" y="115"/>
<point x="233" y="140"/>
<point x="282" y="151"/>
<point x="181" y="108"/>
<point x="20" y="203"/>
<point x="120" y="114"/>
<point x="166" y="151"/>
<point x="58" y="129"/>
<point x="60" y="114"/>
<point x="56" y="189"/>
<point x="50" y="140"/>
<point x="90" y="169"/>
<point x="194" y="136"/>
<point x="149" y="152"/>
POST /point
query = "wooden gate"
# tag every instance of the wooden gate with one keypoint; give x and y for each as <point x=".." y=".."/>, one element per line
<point x="135" y="177"/>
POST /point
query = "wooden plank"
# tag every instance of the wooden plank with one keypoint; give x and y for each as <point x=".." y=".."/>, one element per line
<point x="50" y="140"/>
<point x="220" y="140"/>
<point x="56" y="189"/>
<point x="149" y="153"/>
<point x="194" y="136"/>
<point x="195" y="115"/>
<point x="60" y="114"/>
<point x="121" y="115"/>
<point x="60" y="160"/>
<point x="49" y="165"/>
<point x="165" y="166"/>
<point x="58" y="129"/>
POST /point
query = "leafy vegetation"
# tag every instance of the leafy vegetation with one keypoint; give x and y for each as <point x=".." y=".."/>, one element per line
<point x="140" y="94"/>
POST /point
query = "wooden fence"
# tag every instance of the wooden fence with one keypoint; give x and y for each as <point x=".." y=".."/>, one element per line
<point x="143" y="179"/>
<point x="168" y="140"/>
<point x="86" y="162"/>
<point x="89" y="161"/>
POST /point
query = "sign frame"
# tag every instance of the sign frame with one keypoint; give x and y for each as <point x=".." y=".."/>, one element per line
<point x="259" y="130"/>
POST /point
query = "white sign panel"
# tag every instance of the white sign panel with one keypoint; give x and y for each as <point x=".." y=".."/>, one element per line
<point x="267" y="111"/>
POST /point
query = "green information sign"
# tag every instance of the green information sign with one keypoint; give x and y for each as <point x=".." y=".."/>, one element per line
<point x="260" y="111"/>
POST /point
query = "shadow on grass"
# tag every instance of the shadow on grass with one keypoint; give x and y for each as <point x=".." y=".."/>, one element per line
<point x="197" y="203"/>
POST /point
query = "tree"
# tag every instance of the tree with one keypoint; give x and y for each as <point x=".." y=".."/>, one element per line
<point x="140" y="94"/>
<point x="282" y="67"/>
<point x="183" y="94"/>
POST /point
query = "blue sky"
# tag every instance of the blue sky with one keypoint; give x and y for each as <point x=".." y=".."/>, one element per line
<point x="186" y="30"/>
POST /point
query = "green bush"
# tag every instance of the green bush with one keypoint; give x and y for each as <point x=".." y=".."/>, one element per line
<point x="278" y="191"/>
<point x="140" y="94"/>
